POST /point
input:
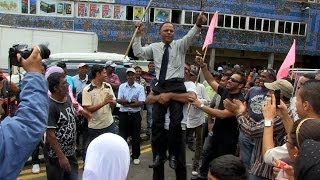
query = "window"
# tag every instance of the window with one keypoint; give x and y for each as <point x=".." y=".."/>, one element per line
<point x="236" y="22"/>
<point x="129" y="13"/>
<point x="258" y="24"/>
<point x="188" y="17"/>
<point x="281" y="26"/>
<point x="243" y="22"/>
<point x="195" y="17"/>
<point x="252" y="23"/>
<point x="220" y="20"/>
<point x="295" y="28"/>
<point x="272" y="25"/>
<point x="176" y="16"/>
<point x="302" y="29"/>
<point x="227" y="21"/>
<point x="162" y="15"/>
<point x="266" y="23"/>
<point x="288" y="28"/>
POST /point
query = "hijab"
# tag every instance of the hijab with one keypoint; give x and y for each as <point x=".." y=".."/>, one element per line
<point x="107" y="158"/>
<point x="307" y="165"/>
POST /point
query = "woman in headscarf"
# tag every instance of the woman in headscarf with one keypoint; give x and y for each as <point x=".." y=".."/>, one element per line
<point x="108" y="158"/>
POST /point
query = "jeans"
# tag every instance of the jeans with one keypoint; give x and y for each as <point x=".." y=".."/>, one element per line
<point x="54" y="172"/>
<point x="246" y="145"/>
<point x="35" y="155"/>
<point x="216" y="146"/>
<point x="198" y="149"/>
<point x="130" y="124"/>
<point x="149" y="117"/>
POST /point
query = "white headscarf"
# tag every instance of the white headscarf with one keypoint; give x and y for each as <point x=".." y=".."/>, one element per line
<point x="107" y="158"/>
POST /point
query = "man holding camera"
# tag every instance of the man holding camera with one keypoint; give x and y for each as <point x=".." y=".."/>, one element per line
<point x="21" y="133"/>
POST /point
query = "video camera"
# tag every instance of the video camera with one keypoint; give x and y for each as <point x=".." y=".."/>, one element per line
<point x="25" y="51"/>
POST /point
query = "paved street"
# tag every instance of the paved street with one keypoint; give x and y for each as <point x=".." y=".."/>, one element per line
<point x="136" y="172"/>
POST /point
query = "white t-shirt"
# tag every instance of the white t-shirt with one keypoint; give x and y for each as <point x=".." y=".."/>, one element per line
<point x="277" y="153"/>
<point x="190" y="87"/>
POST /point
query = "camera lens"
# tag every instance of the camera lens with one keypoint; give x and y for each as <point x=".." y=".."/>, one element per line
<point x="44" y="51"/>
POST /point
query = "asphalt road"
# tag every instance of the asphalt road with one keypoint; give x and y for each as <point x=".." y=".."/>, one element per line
<point x="136" y="172"/>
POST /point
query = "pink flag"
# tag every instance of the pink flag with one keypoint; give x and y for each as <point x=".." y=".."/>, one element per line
<point x="209" y="36"/>
<point x="289" y="61"/>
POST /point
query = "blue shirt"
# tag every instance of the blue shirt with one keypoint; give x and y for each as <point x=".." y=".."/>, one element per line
<point x="134" y="92"/>
<point x="70" y="82"/>
<point x="79" y="84"/>
<point x="19" y="135"/>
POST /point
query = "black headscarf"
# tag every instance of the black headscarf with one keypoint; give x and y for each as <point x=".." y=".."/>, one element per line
<point x="307" y="164"/>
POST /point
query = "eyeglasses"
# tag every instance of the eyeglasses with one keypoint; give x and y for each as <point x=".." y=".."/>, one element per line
<point x="234" y="80"/>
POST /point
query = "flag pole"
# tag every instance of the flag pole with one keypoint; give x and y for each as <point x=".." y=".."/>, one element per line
<point x="137" y="28"/>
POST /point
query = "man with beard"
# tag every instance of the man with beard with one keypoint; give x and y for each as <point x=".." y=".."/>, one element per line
<point x="223" y="137"/>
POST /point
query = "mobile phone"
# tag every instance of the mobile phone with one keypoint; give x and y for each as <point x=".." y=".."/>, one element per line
<point x="277" y="96"/>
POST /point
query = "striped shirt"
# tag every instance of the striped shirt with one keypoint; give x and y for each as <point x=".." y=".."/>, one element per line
<point x="134" y="92"/>
<point x="255" y="130"/>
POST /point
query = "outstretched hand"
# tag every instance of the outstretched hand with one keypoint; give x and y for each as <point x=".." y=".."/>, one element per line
<point x="201" y="20"/>
<point x="235" y="106"/>
<point x="269" y="108"/>
<point x="140" y="27"/>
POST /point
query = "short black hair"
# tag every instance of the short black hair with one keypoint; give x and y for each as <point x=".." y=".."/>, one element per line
<point x="54" y="80"/>
<point x="309" y="92"/>
<point x="309" y="76"/>
<point x="166" y="22"/>
<point x="96" y="69"/>
<point x="62" y="64"/>
<point x="137" y="67"/>
<point x="243" y="77"/>
<point x="228" y="167"/>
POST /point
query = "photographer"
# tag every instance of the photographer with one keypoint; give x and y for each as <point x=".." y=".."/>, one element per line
<point x="21" y="133"/>
<point x="8" y="92"/>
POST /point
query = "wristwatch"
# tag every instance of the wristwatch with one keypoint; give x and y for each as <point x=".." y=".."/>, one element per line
<point x="268" y="123"/>
<point x="201" y="105"/>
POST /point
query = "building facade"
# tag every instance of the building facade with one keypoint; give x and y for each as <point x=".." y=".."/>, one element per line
<point x="250" y="32"/>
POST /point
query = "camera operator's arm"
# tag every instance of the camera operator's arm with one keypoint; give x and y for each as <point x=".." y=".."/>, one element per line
<point x="20" y="134"/>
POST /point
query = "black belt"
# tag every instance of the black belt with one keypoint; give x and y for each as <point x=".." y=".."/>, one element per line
<point x="175" y="80"/>
<point x="129" y="113"/>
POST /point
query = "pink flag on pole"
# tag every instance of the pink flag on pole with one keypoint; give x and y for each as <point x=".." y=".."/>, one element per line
<point x="212" y="26"/>
<point x="289" y="61"/>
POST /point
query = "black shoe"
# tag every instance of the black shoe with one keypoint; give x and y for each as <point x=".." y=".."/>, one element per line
<point x="157" y="162"/>
<point x="173" y="162"/>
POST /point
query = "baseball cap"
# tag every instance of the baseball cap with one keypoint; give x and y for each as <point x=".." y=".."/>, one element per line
<point x="110" y="63"/>
<point x="285" y="87"/>
<point x="131" y="70"/>
<point x="82" y="64"/>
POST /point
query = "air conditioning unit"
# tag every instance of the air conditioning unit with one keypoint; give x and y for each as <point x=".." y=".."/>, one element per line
<point x="312" y="1"/>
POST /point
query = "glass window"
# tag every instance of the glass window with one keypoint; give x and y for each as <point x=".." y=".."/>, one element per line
<point x="258" y="24"/>
<point x="281" y="27"/>
<point x="243" y="23"/>
<point x="272" y="25"/>
<point x="302" y="29"/>
<point x="295" y="29"/>
<point x="176" y="16"/>
<point x="235" y="23"/>
<point x="188" y="17"/>
<point x="251" y="23"/>
<point x="227" y="21"/>
<point x="220" y="20"/>
<point x="266" y="23"/>
<point x="195" y="17"/>
<point x="129" y="13"/>
<point x="288" y="28"/>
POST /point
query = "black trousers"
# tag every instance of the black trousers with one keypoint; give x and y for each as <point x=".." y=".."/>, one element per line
<point x="158" y="116"/>
<point x="180" y="149"/>
<point x="130" y="124"/>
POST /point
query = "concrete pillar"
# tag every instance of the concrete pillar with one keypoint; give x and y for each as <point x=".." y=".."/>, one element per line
<point x="212" y="58"/>
<point x="270" y="61"/>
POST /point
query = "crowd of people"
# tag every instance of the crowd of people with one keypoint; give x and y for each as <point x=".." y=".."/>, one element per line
<point x="236" y="123"/>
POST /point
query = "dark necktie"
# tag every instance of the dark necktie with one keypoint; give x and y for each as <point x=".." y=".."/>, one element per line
<point x="164" y="65"/>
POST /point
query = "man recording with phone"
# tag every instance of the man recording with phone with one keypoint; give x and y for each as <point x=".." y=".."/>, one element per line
<point x="20" y="134"/>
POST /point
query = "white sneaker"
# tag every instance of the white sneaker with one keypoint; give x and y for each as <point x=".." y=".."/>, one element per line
<point x="136" y="161"/>
<point x="36" y="169"/>
<point x="194" y="173"/>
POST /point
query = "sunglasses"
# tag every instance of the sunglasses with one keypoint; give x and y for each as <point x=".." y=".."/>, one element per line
<point x="234" y="80"/>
